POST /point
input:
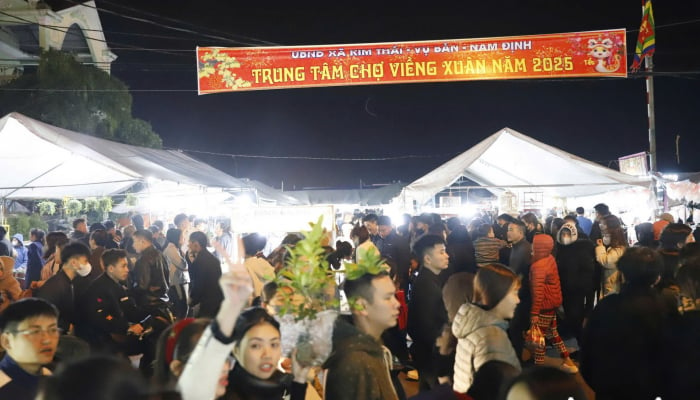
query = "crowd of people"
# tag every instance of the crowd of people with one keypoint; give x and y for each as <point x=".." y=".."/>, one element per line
<point x="469" y="311"/>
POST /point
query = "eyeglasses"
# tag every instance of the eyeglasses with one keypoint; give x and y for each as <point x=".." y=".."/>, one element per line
<point x="36" y="333"/>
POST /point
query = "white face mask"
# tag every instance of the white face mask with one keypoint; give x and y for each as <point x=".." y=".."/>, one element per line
<point x="606" y="240"/>
<point x="84" y="270"/>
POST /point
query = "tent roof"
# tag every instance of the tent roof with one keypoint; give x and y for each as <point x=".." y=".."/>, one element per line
<point x="43" y="161"/>
<point x="364" y="197"/>
<point x="508" y="160"/>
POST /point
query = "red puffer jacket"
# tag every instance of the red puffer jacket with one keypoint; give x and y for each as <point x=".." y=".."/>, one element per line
<point x="544" y="277"/>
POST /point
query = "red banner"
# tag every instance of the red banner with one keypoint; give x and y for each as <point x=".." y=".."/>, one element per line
<point x="580" y="54"/>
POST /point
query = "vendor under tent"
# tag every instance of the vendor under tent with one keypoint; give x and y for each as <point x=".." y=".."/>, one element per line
<point x="510" y="162"/>
<point x="43" y="161"/>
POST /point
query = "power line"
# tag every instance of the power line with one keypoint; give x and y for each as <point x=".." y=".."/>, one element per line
<point x="311" y="158"/>
<point x="190" y="24"/>
<point x="68" y="32"/>
<point x="165" y="26"/>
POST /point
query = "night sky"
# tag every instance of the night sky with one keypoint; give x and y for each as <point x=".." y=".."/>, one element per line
<point x="598" y="119"/>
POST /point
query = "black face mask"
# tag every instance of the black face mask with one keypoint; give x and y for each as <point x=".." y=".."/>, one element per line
<point x="419" y="232"/>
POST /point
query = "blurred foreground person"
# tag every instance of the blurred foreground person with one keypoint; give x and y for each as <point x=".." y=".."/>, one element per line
<point x="29" y="336"/>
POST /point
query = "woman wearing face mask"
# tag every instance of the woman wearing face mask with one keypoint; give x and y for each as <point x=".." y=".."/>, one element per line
<point x="480" y="326"/>
<point x="609" y="249"/>
<point x="257" y="353"/>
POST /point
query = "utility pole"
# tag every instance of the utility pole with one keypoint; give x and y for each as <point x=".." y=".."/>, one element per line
<point x="650" y="113"/>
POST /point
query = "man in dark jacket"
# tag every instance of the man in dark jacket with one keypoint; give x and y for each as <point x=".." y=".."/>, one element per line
<point x="110" y="320"/>
<point x="626" y="337"/>
<point x="359" y="366"/>
<point x="80" y="231"/>
<point x="150" y="277"/>
<point x="59" y="290"/>
<point x="576" y="266"/>
<point x="460" y="249"/>
<point x="396" y="250"/>
<point x="520" y="257"/>
<point x="205" y="271"/>
<point x="5" y="245"/>
<point x="426" y="311"/>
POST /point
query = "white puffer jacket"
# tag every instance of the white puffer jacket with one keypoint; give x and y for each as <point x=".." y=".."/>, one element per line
<point x="481" y="338"/>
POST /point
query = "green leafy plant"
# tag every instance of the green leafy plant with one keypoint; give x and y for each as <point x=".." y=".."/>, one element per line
<point x="47" y="207"/>
<point x="105" y="204"/>
<point x="371" y="263"/>
<point x="73" y="207"/>
<point x="304" y="283"/>
<point x="131" y="200"/>
<point x="91" y="204"/>
<point x="24" y="223"/>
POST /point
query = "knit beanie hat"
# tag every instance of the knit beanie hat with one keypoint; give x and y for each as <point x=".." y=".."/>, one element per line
<point x="542" y="246"/>
<point x="567" y="228"/>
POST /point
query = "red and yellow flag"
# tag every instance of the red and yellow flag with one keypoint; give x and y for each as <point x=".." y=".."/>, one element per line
<point x="646" y="41"/>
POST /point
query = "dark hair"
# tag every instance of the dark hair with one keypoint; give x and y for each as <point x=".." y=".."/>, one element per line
<point x="154" y="229"/>
<point x="180" y="218"/>
<point x="24" y="309"/>
<point x="483" y="230"/>
<point x="614" y="229"/>
<point x="571" y="218"/>
<point x="290" y="239"/>
<point x="548" y="383"/>
<point x="3" y="232"/>
<point x="453" y="223"/>
<point x="100" y="237"/>
<point x="144" y="234"/>
<point x="645" y="234"/>
<point x="491" y="379"/>
<point x="602" y="209"/>
<point x="137" y="220"/>
<point x="360" y="232"/>
<point x="580" y="210"/>
<point x="112" y="256"/>
<point x="640" y="266"/>
<point x="344" y="249"/>
<point x="362" y="286"/>
<point x="38" y="234"/>
<point x="101" y="377"/>
<point x="370" y="217"/>
<point x="425" y="244"/>
<point x="74" y="249"/>
<point x="54" y="239"/>
<point x="109" y="224"/>
<point x="269" y="290"/>
<point x="530" y="218"/>
<point x="186" y="338"/>
<point x="254" y="243"/>
<point x="673" y="236"/>
<point x="520" y="224"/>
<point x="506" y="217"/>
<point x="159" y="224"/>
<point x="199" y="237"/>
<point x="492" y="283"/>
<point x="249" y="318"/>
<point x="96" y="226"/>
<point x="199" y="221"/>
<point x="77" y="222"/>
<point x="556" y="224"/>
<point x="384" y="221"/>
<point x="173" y="236"/>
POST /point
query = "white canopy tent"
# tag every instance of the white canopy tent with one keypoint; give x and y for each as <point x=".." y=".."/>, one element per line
<point x="43" y="161"/>
<point x="509" y="160"/>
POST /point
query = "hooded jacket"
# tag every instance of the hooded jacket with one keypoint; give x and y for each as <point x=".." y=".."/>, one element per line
<point x="21" y="260"/>
<point x="358" y="367"/>
<point x="481" y="338"/>
<point x="544" y="277"/>
<point x="575" y="262"/>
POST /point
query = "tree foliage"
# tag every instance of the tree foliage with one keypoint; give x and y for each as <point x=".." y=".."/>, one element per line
<point x="78" y="97"/>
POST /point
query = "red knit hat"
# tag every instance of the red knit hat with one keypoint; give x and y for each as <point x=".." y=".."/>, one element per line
<point x="542" y="246"/>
